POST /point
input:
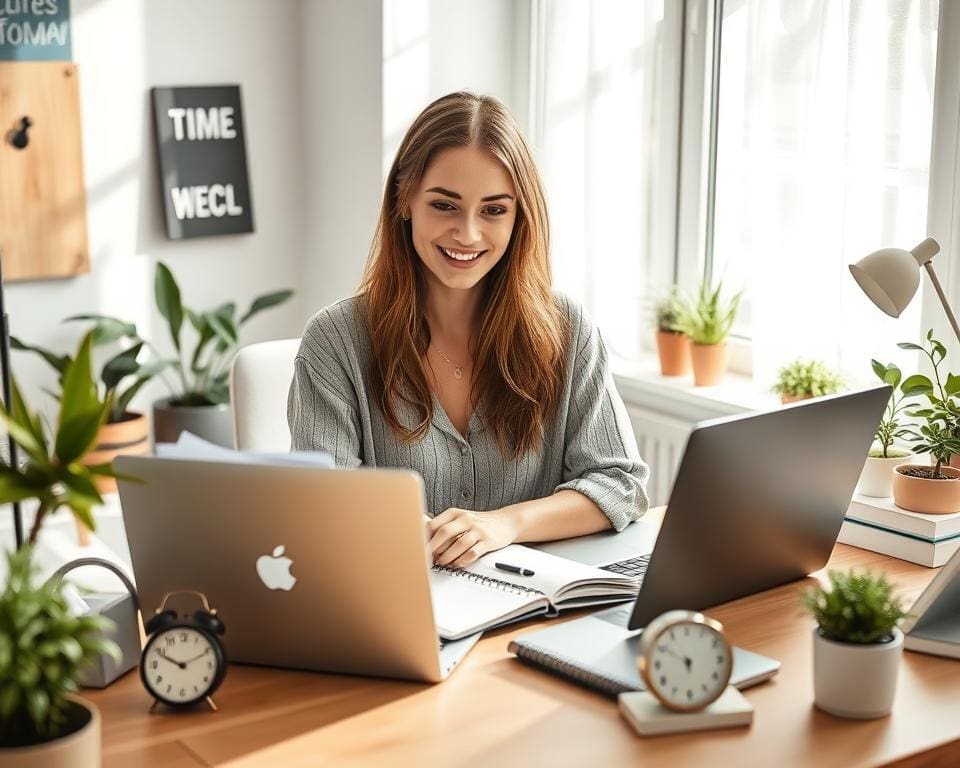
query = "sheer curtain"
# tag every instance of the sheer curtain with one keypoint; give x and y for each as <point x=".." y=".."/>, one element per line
<point x="605" y="127"/>
<point x="825" y="116"/>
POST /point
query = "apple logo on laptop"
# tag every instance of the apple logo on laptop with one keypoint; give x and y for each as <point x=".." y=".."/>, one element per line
<point x="274" y="571"/>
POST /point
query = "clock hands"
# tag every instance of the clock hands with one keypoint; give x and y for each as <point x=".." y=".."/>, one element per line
<point x="163" y="655"/>
<point x="198" y="656"/>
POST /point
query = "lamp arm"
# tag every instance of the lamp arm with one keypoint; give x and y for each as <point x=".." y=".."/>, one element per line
<point x="943" y="298"/>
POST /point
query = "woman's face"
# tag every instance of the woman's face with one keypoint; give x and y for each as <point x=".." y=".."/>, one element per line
<point x="462" y="216"/>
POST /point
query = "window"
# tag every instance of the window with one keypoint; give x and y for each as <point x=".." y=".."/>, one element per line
<point x="824" y="126"/>
<point x="605" y="130"/>
<point x="801" y="144"/>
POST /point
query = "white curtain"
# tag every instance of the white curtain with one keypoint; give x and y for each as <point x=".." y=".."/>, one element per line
<point x="825" y="118"/>
<point x="599" y="149"/>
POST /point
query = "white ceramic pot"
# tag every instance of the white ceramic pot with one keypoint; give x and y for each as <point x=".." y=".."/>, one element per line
<point x="79" y="749"/>
<point x="856" y="680"/>
<point x="876" y="478"/>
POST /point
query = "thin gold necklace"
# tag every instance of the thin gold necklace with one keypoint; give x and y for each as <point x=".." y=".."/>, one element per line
<point x="457" y="369"/>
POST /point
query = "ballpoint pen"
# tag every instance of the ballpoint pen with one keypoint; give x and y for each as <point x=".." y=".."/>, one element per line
<point x="513" y="569"/>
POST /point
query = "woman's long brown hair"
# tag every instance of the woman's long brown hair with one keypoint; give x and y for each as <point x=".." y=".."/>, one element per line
<point x="520" y="354"/>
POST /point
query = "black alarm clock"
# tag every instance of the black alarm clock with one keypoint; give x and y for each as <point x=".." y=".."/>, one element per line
<point x="184" y="660"/>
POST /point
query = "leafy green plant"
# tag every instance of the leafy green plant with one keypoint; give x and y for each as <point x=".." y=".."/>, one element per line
<point x="807" y="378"/>
<point x="53" y="472"/>
<point x="668" y="311"/>
<point x="890" y="427"/>
<point x="709" y="318"/>
<point x="857" y="608"/>
<point x="43" y="649"/>
<point x="43" y="652"/>
<point x="203" y="371"/>
<point x="940" y="434"/>
<point x="122" y="376"/>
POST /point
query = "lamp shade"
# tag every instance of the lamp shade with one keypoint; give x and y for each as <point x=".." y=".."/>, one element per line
<point x="890" y="278"/>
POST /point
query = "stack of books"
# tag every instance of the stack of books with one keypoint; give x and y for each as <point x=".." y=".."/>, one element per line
<point x="880" y="525"/>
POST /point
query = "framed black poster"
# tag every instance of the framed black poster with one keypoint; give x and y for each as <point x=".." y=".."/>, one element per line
<point x="203" y="160"/>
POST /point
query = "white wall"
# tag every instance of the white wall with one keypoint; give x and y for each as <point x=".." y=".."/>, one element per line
<point x="122" y="48"/>
<point x="369" y="67"/>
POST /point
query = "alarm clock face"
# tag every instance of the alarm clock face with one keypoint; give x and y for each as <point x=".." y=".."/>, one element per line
<point x="181" y="665"/>
<point x="687" y="664"/>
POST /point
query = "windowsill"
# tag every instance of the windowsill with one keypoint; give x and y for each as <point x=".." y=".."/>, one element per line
<point x="640" y="384"/>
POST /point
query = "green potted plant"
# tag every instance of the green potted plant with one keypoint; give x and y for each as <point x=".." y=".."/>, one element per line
<point x="199" y="401"/>
<point x="125" y="432"/>
<point x="673" y="345"/>
<point x="43" y="649"/>
<point x="857" y="645"/>
<point x="876" y="478"/>
<point x="934" y="488"/>
<point x="803" y="379"/>
<point x="707" y="321"/>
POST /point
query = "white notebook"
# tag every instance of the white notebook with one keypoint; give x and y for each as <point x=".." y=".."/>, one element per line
<point x="482" y="596"/>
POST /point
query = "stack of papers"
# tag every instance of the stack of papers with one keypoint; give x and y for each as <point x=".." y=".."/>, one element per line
<point x="191" y="447"/>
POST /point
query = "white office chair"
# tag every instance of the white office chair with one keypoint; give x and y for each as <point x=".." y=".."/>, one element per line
<point x="259" y="382"/>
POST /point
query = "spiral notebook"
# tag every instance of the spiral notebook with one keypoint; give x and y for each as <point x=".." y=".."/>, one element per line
<point x="481" y="596"/>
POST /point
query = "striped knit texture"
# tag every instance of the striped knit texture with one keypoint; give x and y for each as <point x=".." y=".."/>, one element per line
<point x="589" y="446"/>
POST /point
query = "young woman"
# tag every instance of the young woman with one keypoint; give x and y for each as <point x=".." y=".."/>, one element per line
<point x="456" y="360"/>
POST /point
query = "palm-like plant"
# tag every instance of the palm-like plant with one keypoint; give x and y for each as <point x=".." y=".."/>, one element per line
<point x="203" y="372"/>
<point x="123" y="375"/>
<point x="708" y="320"/>
<point x="53" y="472"/>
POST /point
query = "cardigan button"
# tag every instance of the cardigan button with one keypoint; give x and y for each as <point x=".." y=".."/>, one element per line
<point x="465" y="494"/>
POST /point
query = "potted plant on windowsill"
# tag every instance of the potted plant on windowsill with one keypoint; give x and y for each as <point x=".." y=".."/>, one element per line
<point x="931" y="489"/>
<point x="43" y="648"/>
<point x="125" y="432"/>
<point x="707" y="321"/>
<point x="876" y="478"/>
<point x="200" y="403"/>
<point x="857" y="645"/>
<point x="673" y="345"/>
<point x="803" y="379"/>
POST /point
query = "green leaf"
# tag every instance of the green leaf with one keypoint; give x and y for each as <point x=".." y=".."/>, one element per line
<point x="58" y="362"/>
<point x="918" y="384"/>
<point x="121" y="366"/>
<point x="266" y="301"/>
<point x="9" y="700"/>
<point x="224" y="328"/>
<point x="106" y="329"/>
<point x="78" y="434"/>
<point x="106" y="470"/>
<point x="79" y="388"/>
<point x="14" y="486"/>
<point x="168" y="301"/>
<point x="909" y="345"/>
<point x="952" y="386"/>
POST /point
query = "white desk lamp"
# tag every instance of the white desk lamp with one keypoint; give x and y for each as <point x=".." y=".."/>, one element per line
<point x="890" y="278"/>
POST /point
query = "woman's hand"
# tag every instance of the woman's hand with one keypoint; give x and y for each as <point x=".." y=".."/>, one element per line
<point x="458" y="536"/>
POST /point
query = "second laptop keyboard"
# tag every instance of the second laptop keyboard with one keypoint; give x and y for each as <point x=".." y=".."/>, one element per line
<point x="635" y="566"/>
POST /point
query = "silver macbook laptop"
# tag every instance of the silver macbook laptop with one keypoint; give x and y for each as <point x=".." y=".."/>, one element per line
<point x="302" y="565"/>
<point x="758" y="501"/>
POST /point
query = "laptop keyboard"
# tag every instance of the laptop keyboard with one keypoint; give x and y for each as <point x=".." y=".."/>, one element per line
<point x="635" y="566"/>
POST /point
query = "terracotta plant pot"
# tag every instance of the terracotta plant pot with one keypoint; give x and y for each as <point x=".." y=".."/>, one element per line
<point x="876" y="477"/>
<point x="79" y="748"/>
<point x="931" y="497"/>
<point x="709" y="363"/>
<point x="130" y="437"/>
<point x="787" y="399"/>
<point x="674" y="349"/>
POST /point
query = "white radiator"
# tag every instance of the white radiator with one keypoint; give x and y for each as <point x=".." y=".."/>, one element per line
<point x="661" y="440"/>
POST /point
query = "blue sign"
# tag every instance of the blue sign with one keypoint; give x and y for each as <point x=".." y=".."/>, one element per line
<point x="35" y="30"/>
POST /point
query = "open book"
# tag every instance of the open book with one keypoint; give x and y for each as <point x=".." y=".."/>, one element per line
<point x="482" y="596"/>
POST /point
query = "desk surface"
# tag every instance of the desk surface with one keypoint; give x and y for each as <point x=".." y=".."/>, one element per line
<point x="495" y="711"/>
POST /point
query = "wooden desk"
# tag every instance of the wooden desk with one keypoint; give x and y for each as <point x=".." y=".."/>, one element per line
<point x="495" y="711"/>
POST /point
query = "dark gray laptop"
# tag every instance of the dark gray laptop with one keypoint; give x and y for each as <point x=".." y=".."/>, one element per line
<point x="758" y="501"/>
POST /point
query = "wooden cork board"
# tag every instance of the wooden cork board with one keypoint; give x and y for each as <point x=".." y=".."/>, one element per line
<point x="43" y="221"/>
